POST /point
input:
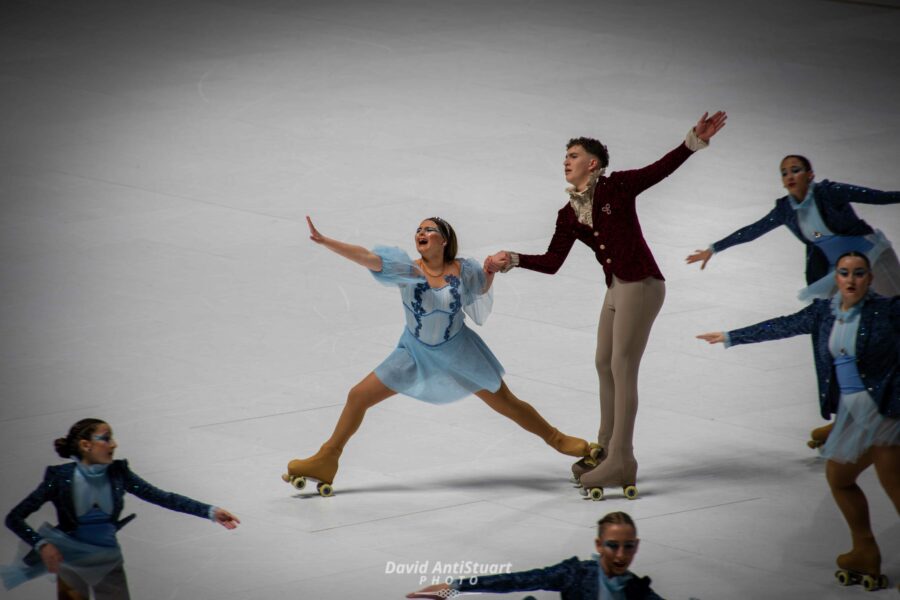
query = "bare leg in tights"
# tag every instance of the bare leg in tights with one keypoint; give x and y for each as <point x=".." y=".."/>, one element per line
<point x="323" y="465"/>
<point x="505" y="402"/>
<point x="370" y="391"/>
<point x="864" y="557"/>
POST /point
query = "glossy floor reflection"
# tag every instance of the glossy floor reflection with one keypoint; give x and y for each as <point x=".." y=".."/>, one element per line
<point x="156" y="165"/>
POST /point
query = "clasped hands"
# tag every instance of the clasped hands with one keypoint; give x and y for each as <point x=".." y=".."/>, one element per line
<point x="496" y="262"/>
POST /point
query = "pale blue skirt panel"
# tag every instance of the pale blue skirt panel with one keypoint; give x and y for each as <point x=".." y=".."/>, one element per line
<point x="444" y="373"/>
<point x="91" y="563"/>
<point x="858" y="427"/>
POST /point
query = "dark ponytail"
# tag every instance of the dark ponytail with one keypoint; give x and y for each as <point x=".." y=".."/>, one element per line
<point x="67" y="446"/>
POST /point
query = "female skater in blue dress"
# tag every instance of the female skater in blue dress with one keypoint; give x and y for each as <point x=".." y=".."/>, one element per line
<point x="438" y="358"/>
<point x="856" y="337"/>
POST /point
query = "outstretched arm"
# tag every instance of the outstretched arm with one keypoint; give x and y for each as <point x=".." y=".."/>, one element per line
<point x="856" y="193"/>
<point x="358" y="254"/>
<point x="549" y="262"/>
<point x="638" y="180"/>
<point x="799" y="323"/>
<point x="775" y="218"/>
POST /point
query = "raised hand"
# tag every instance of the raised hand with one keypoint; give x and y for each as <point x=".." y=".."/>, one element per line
<point x="700" y="255"/>
<point x="707" y="126"/>
<point x="52" y="558"/>
<point x="226" y="519"/>
<point x="715" y="337"/>
<point x="314" y="234"/>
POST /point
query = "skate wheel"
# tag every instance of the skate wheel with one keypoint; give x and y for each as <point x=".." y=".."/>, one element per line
<point x="596" y="493"/>
<point x="843" y="577"/>
<point x="298" y="482"/>
<point x="630" y="492"/>
<point x="871" y="583"/>
<point x="325" y="490"/>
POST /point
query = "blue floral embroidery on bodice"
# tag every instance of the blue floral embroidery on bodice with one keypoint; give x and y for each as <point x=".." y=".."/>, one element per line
<point x="418" y="311"/>
<point x="424" y="309"/>
<point x="453" y="280"/>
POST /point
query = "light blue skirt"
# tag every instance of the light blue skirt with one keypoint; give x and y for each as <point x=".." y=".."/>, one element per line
<point x="444" y="373"/>
<point x="858" y="427"/>
<point x="91" y="563"/>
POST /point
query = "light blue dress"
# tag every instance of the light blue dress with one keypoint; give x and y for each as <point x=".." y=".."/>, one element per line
<point x="91" y="552"/>
<point x="858" y="425"/>
<point x="438" y="359"/>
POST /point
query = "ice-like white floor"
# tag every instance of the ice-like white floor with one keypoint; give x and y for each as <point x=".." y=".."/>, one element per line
<point x="157" y="160"/>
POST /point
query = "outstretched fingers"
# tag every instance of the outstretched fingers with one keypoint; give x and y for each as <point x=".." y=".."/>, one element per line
<point x="714" y="337"/>
<point x="699" y="255"/>
<point x="314" y="234"/>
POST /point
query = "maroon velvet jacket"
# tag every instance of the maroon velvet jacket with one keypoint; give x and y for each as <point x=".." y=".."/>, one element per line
<point x="616" y="237"/>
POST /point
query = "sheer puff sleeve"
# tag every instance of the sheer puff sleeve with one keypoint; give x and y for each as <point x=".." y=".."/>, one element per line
<point x="477" y="303"/>
<point x="397" y="268"/>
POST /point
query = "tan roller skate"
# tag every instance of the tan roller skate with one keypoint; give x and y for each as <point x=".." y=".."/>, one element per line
<point x="861" y="565"/>
<point x="620" y="473"/>
<point x="321" y="466"/>
<point x="588" y="463"/>
<point x="569" y="445"/>
<point x="819" y="435"/>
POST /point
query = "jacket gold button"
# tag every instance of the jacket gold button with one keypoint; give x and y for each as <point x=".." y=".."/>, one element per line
<point x="608" y="260"/>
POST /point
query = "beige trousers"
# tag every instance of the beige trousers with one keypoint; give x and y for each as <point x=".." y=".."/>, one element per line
<point x="628" y="312"/>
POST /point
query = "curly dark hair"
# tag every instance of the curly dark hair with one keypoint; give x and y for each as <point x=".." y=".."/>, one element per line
<point x="591" y="146"/>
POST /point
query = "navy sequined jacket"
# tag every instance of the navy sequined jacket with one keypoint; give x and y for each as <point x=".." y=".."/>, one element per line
<point x="57" y="488"/>
<point x="833" y="201"/>
<point x="574" y="579"/>
<point x="877" y="348"/>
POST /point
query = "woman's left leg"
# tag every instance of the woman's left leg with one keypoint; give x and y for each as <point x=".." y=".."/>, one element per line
<point x="865" y="556"/>
<point x="887" y="465"/>
<point x="505" y="402"/>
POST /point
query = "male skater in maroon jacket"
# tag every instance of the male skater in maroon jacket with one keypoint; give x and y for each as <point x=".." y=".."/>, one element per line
<point x="601" y="213"/>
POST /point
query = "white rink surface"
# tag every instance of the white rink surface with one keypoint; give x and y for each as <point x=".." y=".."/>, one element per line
<point x="156" y="164"/>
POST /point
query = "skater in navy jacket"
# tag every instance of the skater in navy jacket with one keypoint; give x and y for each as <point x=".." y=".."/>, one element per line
<point x="605" y="578"/>
<point x="88" y="495"/>
<point x="856" y="336"/>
